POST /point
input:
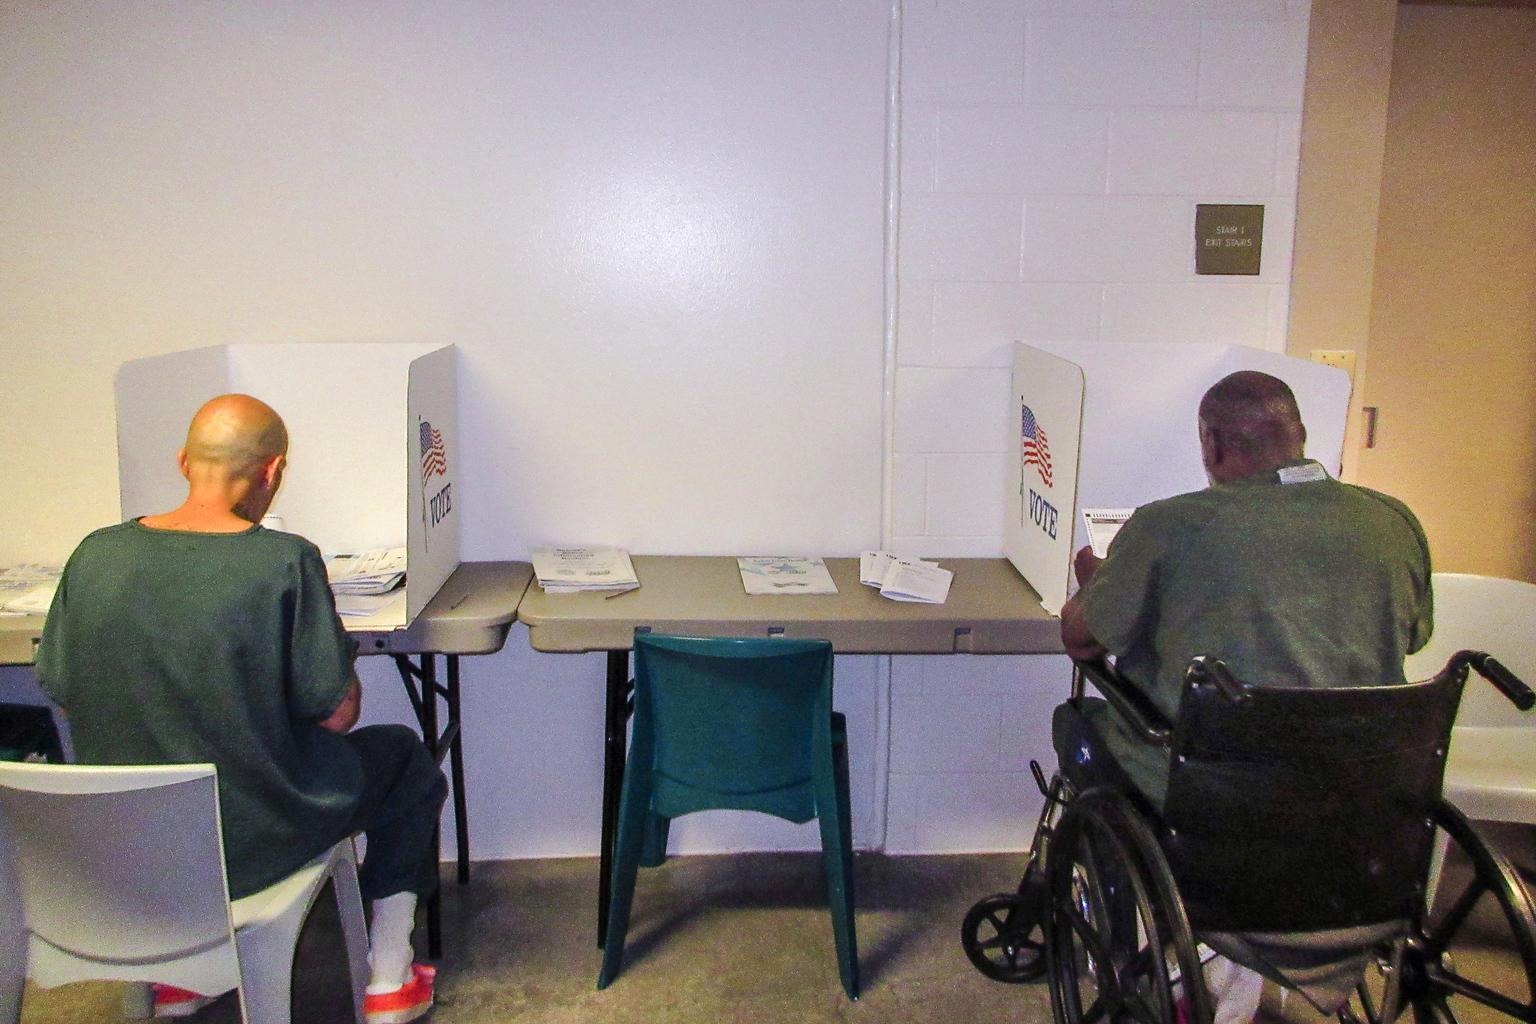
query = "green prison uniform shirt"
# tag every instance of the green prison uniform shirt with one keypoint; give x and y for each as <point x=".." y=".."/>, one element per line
<point x="1311" y="583"/>
<point x="170" y="647"/>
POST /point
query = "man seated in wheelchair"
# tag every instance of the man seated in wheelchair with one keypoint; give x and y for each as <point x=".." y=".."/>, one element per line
<point x="1289" y="577"/>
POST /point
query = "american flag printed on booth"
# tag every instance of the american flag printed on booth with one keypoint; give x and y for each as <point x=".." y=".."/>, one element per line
<point x="434" y="458"/>
<point x="1034" y="449"/>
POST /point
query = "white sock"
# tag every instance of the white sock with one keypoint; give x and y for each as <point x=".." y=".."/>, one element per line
<point x="1235" y="991"/>
<point x="389" y="942"/>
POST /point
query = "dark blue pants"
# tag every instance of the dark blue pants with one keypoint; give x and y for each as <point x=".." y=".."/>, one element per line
<point x="403" y="792"/>
<point x="1085" y="759"/>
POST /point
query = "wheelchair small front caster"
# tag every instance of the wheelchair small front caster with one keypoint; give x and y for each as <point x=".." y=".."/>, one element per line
<point x="1002" y="936"/>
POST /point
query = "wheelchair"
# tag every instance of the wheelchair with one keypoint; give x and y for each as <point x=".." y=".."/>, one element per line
<point x="1303" y="835"/>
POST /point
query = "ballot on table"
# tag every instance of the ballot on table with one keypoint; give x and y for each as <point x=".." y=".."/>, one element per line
<point x="904" y="579"/>
<point x="374" y="448"/>
<point x="28" y="589"/>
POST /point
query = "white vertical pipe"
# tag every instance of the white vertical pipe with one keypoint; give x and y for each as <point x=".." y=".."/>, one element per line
<point x="882" y="764"/>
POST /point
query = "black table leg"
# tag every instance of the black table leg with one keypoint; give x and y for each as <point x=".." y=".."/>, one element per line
<point x="447" y="742"/>
<point x="456" y="771"/>
<point x="616" y="713"/>
<point x="429" y="735"/>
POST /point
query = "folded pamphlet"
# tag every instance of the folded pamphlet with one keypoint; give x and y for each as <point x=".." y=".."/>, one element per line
<point x="924" y="582"/>
<point x="778" y="574"/>
<point x="905" y="579"/>
<point x="590" y="570"/>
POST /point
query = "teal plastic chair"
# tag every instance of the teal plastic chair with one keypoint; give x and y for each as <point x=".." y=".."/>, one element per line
<point x="738" y="724"/>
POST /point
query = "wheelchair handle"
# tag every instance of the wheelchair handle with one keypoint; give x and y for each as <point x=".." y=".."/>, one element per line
<point x="1215" y="672"/>
<point x="1493" y="670"/>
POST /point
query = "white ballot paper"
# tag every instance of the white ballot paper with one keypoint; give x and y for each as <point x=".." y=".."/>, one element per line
<point x="917" y="581"/>
<point x="778" y="574"/>
<point x="361" y="606"/>
<point x="873" y="565"/>
<point x="904" y="579"/>
<point x="369" y="572"/>
<point x="28" y="589"/>
<point x="594" y="570"/>
<point x="1103" y="524"/>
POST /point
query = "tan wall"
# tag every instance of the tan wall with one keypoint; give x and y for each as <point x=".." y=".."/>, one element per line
<point x="1453" y="323"/>
<point x="1343" y="135"/>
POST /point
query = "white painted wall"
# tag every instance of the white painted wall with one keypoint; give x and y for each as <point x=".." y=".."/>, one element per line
<point x="1053" y="152"/>
<point x="657" y="235"/>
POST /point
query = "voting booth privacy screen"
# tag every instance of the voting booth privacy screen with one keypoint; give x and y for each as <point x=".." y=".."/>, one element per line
<point x="373" y="451"/>
<point x="1138" y="437"/>
<point x="1046" y="415"/>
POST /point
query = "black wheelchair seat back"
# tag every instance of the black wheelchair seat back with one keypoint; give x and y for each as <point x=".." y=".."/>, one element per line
<point x="1302" y="809"/>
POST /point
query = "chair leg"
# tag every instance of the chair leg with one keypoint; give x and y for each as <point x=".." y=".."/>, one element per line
<point x="12" y="978"/>
<point x="266" y="980"/>
<point x="13" y="939"/>
<point x="354" y="929"/>
<point x="653" y="852"/>
<point x="266" y="948"/>
<point x="837" y="859"/>
<point x="138" y="1001"/>
<point x="634" y="816"/>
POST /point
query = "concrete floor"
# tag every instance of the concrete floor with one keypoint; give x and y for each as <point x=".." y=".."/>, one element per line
<point x="739" y="938"/>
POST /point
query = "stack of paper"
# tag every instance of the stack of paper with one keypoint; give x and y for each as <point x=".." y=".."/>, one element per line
<point x="372" y="572"/>
<point x="780" y="575"/>
<point x="577" y="570"/>
<point x="905" y="579"/>
<point x="28" y="589"/>
<point x="362" y="606"/>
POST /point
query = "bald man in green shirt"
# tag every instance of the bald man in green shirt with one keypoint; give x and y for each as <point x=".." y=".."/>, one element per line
<point x="198" y="635"/>
<point x="1287" y="575"/>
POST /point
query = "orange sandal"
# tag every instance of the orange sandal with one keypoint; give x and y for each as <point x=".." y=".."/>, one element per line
<point x="406" y="1003"/>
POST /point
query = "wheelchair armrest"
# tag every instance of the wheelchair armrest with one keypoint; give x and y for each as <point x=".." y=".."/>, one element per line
<point x="1133" y="705"/>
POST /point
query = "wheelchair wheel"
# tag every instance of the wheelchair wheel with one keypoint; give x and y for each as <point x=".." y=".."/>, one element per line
<point x="1003" y="934"/>
<point x="1117" y="939"/>
<point x="1472" y="957"/>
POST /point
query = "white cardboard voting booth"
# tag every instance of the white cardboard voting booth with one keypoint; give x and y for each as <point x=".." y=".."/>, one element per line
<point x="373" y="446"/>
<point x="1103" y="425"/>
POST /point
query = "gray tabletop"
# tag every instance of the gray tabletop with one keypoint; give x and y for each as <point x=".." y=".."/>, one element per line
<point x="18" y="638"/>
<point x="990" y="610"/>
<point x="470" y="614"/>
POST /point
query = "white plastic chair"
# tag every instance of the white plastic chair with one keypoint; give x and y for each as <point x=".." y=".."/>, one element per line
<point x="1491" y="773"/>
<point x="120" y="873"/>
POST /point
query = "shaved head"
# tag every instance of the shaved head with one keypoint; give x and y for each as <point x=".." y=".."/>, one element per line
<point x="236" y="432"/>
<point x="1253" y="419"/>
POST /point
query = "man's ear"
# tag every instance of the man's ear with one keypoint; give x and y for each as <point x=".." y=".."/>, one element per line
<point x="1210" y="446"/>
<point x="272" y="472"/>
<point x="183" y="463"/>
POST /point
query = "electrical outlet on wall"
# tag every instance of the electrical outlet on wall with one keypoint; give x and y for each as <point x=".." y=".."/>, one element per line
<point x="1343" y="358"/>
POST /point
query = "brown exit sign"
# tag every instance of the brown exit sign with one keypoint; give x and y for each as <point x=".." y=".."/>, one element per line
<point x="1229" y="238"/>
